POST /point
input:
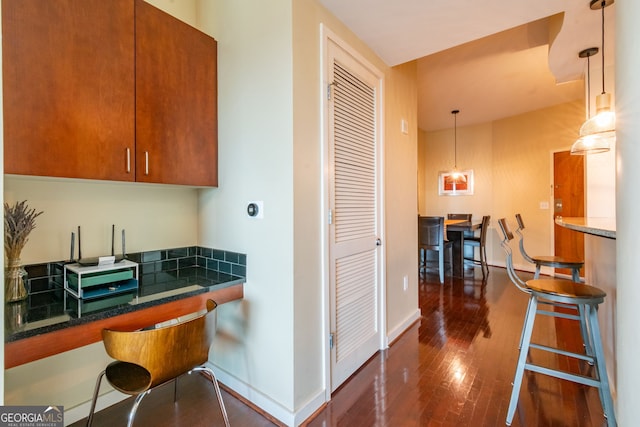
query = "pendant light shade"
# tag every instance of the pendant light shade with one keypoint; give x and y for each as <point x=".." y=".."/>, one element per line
<point x="598" y="133"/>
<point x="456" y="176"/>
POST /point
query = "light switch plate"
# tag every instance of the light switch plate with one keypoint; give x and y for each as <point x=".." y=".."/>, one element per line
<point x="544" y="205"/>
<point x="404" y="126"/>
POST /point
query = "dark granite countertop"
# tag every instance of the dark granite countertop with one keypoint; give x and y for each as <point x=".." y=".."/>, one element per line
<point x="50" y="307"/>
<point x="23" y="321"/>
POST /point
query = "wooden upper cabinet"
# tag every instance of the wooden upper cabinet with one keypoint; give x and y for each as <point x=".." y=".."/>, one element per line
<point x="108" y="89"/>
<point x="68" y="81"/>
<point x="176" y="101"/>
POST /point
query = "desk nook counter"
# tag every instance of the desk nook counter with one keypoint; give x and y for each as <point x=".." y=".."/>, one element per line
<point x="173" y="283"/>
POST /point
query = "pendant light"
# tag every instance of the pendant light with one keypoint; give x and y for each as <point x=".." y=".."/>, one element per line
<point x="598" y="132"/>
<point x="585" y="144"/>
<point x="456" y="176"/>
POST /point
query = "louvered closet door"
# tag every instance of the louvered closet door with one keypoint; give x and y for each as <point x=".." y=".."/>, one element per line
<point x="353" y="231"/>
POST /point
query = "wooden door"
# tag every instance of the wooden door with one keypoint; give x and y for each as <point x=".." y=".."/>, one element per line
<point x="68" y="81"/>
<point x="176" y="101"/>
<point x="354" y="252"/>
<point x="568" y="195"/>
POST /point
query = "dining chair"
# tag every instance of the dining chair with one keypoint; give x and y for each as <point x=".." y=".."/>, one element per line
<point x="431" y="238"/>
<point x="479" y="242"/>
<point x="147" y="358"/>
<point x="573" y="263"/>
<point x="585" y="300"/>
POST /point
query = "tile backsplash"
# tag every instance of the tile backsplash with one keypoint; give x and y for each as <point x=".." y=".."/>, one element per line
<point x="170" y="264"/>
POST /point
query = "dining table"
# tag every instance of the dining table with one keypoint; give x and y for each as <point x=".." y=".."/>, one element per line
<point x="455" y="229"/>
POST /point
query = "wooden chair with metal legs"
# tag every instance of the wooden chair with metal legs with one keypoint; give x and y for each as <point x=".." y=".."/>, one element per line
<point x="565" y="293"/>
<point x="149" y="358"/>
<point x="431" y="238"/>
<point x="573" y="263"/>
<point x="480" y="243"/>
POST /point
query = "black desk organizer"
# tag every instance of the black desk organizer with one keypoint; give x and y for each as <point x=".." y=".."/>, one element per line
<point x="92" y="288"/>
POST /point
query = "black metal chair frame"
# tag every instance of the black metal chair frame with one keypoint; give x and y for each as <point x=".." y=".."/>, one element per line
<point x="479" y="242"/>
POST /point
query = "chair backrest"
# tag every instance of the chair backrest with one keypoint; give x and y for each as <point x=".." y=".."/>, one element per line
<point x="466" y="217"/>
<point x="524" y="253"/>
<point x="166" y="352"/>
<point x="507" y="236"/>
<point x="431" y="232"/>
<point x="486" y="220"/>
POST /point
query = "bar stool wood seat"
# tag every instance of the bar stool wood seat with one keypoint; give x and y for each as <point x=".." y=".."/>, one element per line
<point x="565" y="293"/>
<point x="573" y="263"/>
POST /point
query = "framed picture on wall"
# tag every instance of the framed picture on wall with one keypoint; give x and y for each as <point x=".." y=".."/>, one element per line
<point x="448" y="185"/>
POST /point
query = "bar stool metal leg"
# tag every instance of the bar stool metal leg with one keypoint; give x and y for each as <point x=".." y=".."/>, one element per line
<point x="522" y="358"/>
<point x="605" y="392"/>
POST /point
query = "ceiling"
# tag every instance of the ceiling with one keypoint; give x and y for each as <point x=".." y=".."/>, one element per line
<point x="489" y="59"/>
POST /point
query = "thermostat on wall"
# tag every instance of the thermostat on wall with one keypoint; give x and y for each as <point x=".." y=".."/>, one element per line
<point x="255" y="210"/>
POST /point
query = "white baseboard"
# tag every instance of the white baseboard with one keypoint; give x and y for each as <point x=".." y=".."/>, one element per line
<point x="393" y="334"/>
<point x="268" y="405"/>
<point x="104" y="401"/>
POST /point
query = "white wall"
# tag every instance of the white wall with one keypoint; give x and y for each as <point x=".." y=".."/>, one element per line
<point x="270" y="346"/>
<point x="154" y="216"/>
<point x="254" y="349"/>
<point x="627" y="207"/>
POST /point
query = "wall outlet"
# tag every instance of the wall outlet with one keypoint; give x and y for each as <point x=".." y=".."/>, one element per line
<point x="544" y="205"/>
<point x="405" y="283"/>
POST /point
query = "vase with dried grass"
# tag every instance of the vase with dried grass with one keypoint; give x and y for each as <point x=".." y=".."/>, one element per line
<point x="19" y="221"/>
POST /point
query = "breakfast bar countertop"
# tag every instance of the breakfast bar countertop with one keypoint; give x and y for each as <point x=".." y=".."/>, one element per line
<point x="604" y="227"/>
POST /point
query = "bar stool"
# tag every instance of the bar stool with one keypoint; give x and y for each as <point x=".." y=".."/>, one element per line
<point x="563" y="293"/>
<point x="575" y="264"/>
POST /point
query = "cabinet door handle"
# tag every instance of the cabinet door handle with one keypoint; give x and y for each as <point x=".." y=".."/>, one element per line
<point x="128" y="160"/>
<point x="146" y="163"/>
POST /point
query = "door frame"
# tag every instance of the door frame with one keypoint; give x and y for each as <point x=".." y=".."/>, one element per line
<point x="328" y="36"/>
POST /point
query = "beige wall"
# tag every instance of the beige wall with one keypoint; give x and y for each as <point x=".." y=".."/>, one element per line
<point x="401" y="204"/>
<point x="512" y="163"/>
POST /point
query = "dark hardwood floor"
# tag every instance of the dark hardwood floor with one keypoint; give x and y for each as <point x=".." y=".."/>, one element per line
<point x="453" y="367"/>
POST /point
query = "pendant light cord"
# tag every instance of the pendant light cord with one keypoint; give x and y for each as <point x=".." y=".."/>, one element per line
<point x="589" y="87"/>
<point x="455" y="139"/>
<point x="603" y="4"/>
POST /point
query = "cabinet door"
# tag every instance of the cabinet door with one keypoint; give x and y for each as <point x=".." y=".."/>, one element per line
<point x="176" y="101"/>
<point x="68" y="76"/>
